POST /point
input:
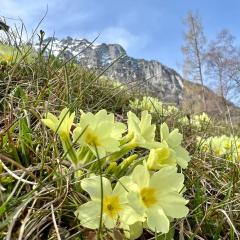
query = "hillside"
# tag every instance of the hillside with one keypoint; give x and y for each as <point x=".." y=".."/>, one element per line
<point x="150" y="77"/>
<point x="192" y="102"/>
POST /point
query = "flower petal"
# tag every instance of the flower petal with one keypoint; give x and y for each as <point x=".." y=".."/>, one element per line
<point x="121" y="189"/>
<point x="92" y="185"/>
<point x="173" y="204"/>
<point x="64" y="114"/>
<point x="110" y="144"/>
<point x="141" y="176"/>
<point x="157" y="221"/>
<point x="182" y="157"/>
<point x="129" y="216"/>
<point x="167" y="179"/>
<point x="133" y="231"/>
<point x="147" y="129"/>
<point x="109" y="222"/>
<point x="175" y="138"/>
<point x="127" y="183"/>
<point x="136" y="203"/>
<point x="49" y="123"/>
<point x="118" y="130"/>
<point x="89" y="214"/>
<point x="164" y="131"/>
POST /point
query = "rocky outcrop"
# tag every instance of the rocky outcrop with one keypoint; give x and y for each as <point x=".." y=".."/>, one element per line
<point x="151" y="76"/>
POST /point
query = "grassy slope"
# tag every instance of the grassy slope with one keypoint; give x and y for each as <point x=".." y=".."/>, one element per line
<point x="27" y="91"/>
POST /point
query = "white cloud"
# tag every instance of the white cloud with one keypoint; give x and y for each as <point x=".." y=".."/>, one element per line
<point x="64" y="20"/>
<point x="29" y="11"/>
<point x="118" y="35"/>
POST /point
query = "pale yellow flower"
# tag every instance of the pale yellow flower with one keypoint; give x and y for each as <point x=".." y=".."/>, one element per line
<point x="100" y="132"/>
<point x="62" y="124"/>
<point x="142" y="131"/>
<point x="157" y="197"/>
<point x="161" y="157"/>
<point x="115" y="205"/>
<point x="174" y="141"/>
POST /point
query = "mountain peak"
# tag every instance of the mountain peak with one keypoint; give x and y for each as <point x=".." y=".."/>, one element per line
<point x="151" y="76"/>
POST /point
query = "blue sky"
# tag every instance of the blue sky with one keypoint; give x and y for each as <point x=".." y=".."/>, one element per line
<point x="150" y="29"/>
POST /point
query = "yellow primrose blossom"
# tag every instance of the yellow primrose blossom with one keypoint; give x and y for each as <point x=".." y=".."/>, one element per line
<point x="161" y="157"/>
<point x="157" y="198"/>
<point x="62" y="124"/>
<point x="174" y="141"/>
<point x="115" y="205"/>
<point x="6" y="58"/>
<point x="142" y="131"/>
<point x="100" y="132"/>
<point x="217" y="147"/>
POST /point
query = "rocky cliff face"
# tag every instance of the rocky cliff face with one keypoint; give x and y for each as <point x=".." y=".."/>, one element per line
<point x="152" y="76"/>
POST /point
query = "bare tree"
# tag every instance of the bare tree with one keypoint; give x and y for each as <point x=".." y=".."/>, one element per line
<point x="223" y="63"/>
<point x="194" y="52"/>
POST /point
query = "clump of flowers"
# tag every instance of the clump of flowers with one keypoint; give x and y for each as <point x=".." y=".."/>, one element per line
<point x="153" y="105"/>
<point x="10" y="54"/>
<point x="170" y="110"/>
<point x="222" y="146"/>
<point x="124" y="190"/>
<point x="6" y="53"/>
<point x="138" y="198"/>
<point x="114" y="83"/>
<point x="199" y="121"/>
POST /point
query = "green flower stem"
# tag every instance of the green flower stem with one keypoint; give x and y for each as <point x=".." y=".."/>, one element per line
<point x="111" y="168"/>
<point x="127" y="161"/>
<point x="125" y="164"/>
<point x="84" y="155"/>
<point x="69" y="150"/>
<point x="99" y="233"/>
<point x="78" y="174"/>
<point x="125" y="149"/>
<point x="126" y="139"/>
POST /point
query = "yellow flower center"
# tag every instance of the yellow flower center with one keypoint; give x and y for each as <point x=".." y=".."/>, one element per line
<point x="111" y="206"/>
<point x="217" y="152"/>
<point x="163" y="153"/>
<point x="9" y="58"/>
<point x="92" y="139"/>
<point x="148" y="196"/>
<point x="6" y="57"/>
<point x="227" y="146"/>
